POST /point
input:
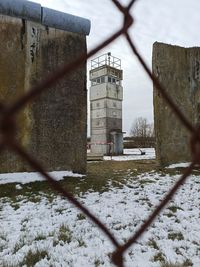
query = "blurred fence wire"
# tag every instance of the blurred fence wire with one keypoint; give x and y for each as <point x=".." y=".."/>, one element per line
<point x="8" y="128"/>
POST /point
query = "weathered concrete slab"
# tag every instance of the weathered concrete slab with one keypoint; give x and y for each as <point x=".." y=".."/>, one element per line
<point x="52" y="128"/>
<point x="178" y="69"/>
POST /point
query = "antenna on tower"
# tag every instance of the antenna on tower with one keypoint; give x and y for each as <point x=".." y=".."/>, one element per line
<point x="109" y="55"/>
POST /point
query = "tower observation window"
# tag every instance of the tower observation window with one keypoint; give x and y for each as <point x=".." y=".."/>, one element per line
<point x="98" y="80"/>
<point x="113" y="80"/>
<point x="102" y="79"/>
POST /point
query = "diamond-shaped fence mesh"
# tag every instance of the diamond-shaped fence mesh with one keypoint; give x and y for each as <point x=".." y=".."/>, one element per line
<point x="8" y="128"/>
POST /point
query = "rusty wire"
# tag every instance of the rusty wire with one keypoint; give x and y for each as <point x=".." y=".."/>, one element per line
<point x="8" y="129"/>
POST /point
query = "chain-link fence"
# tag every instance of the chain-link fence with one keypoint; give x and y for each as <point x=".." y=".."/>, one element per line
<point x="8" y="129"/>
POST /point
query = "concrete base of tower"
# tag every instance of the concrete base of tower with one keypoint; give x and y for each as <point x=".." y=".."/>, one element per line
<point x="94" y="157"/>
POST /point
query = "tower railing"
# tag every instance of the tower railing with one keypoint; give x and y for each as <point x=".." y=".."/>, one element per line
<point x="106" y="60"/>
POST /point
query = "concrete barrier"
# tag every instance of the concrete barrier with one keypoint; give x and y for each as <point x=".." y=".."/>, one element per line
<point x="53" y="127"/>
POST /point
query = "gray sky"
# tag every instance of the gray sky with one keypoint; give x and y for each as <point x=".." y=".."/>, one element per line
<point x="170" y="21"/>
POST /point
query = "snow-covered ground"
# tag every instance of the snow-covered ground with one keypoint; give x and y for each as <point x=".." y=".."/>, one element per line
<point x="178" y="165"/>
<point x="134" y="154"/>
<point x="28" y="177"/>
<point x="53" y="228"/>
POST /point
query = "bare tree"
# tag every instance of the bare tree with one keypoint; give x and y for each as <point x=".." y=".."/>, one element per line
<point x="141" y="128"/>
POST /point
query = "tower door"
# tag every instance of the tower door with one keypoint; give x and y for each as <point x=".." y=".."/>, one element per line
<point x="117" y="140"/>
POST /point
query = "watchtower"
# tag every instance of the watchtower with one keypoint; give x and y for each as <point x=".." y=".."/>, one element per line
<point x="106" y="95"/>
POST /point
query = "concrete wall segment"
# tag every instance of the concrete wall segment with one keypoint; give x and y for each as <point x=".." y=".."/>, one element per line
<point x="178" y="70"/>
<point x="52" y="127"/>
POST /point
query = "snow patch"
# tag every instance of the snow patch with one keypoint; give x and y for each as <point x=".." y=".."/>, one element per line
<point x="28" y="177"/>
<point x="134" y="154"/>
<point x="179" y="165"/>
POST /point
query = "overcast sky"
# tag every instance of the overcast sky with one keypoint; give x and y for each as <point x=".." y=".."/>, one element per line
<point x="170" y="21"/>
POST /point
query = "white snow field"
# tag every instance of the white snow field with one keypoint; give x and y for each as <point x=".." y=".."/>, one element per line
<point x="28" y="177"/>
<point x="134" y="154"/>
<point x="55" y="233"/>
